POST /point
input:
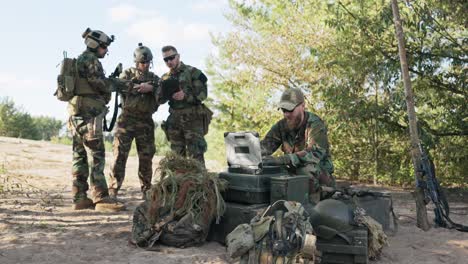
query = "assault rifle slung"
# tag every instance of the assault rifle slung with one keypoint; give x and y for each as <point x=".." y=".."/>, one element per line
<point x="433" y="192"/>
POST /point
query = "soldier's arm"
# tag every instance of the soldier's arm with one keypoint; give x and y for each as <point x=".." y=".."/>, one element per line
<point x="160" y="98"/>
<point x="96" y="78"/>
<point x="271" y="142"/>
<point x="317" y="145"/>
<point x="199" y="87"/>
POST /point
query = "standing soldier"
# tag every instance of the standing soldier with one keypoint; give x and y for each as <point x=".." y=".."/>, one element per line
<point x="136" y="122"/>
<point x="189" y="118"/>
<point x="303" y="138"/>
<point x="87" y="110"/>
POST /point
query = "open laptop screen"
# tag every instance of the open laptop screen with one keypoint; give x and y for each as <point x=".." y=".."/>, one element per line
<point x="243" y="149"/>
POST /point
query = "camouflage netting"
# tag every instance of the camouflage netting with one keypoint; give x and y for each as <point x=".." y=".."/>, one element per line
<point x="377" y="238"/>
<point x="181" y="206"/>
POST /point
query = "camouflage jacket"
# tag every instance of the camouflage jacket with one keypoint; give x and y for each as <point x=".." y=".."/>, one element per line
<point x="93" y="88"/>
<point x="192" y="81"/>
<point x="139" y="103"/>
<point x="308" y="144"/>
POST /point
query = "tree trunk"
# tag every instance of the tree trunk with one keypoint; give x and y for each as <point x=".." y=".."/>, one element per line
<point x="421" y="211"/>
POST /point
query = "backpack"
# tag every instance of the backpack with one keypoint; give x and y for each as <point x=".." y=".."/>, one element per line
<point x="66" y="80"/>
<point x="281" y="234"/>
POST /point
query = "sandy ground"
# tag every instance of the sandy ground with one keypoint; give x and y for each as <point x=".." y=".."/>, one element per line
<point x="37" y="224"/>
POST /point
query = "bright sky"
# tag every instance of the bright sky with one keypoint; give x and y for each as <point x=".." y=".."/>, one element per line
<point x="34" y="35"/>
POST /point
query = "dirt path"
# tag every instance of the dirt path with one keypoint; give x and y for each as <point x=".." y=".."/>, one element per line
<point x="42" y="228"/>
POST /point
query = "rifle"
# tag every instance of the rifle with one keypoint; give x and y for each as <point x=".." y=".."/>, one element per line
<point x="433" y="192"/>
<point x="113" y="77"/>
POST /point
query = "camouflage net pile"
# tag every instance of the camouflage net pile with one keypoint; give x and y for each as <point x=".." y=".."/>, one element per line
<point x="185" y="187"/>
<point x="181" y="206"/>
<point x="377" y="238"/>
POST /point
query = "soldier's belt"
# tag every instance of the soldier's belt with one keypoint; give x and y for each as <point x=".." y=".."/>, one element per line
<point x="185" y="111"/>
<point x="137" y="115"/>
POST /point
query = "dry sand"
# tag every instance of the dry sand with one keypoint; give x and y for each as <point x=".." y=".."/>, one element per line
<point x="37" y="224"/>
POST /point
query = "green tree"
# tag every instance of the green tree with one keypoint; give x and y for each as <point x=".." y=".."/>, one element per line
<point x="47" y="127"/>
<point x="343" y="55"/>
<point x="15" y="122"/>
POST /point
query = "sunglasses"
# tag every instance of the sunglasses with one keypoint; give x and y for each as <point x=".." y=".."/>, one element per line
<point x="169" y="58"/>
<point x="104" y="46"/>
<point x="286" y="110"/>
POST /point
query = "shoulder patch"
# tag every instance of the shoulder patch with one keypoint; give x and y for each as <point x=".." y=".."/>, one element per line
<point x="202" y="77"/>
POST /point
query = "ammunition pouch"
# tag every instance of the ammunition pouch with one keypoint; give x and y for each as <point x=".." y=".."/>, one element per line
<point x="200" y="112"/>
<point x="86" y="105"/>
<point x="206" y="115"/>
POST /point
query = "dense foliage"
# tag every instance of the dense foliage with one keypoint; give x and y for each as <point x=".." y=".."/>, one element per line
<point x="344" y="55"/>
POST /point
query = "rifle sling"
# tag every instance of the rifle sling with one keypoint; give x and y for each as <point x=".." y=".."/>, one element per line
<point x="114" y="115"/>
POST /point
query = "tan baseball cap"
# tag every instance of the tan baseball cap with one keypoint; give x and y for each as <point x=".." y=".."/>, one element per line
<point x="291" y="98"/>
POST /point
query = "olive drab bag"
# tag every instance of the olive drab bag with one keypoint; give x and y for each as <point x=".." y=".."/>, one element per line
<point x="66" y="80"/>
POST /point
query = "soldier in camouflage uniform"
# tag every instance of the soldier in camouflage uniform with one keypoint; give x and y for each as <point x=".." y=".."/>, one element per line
<point x="189" y="119"/>
<point x="303" y="139"/>
<point x="136" y="122"/>
<point x="87" y="110"/>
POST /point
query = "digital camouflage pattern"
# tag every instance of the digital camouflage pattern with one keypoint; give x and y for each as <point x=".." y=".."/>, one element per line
<point x="87" y="110"/>
<point x="307" y="148"/>
<point x="135" y="122"/>
<point x="186" y="125"/>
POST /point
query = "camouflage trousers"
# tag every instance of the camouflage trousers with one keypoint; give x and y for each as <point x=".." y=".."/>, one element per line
<point x="185" y="131"/>
<point x="320" y="175"/>
<point x="88" y="140"/>
<point x="141" y="129"/>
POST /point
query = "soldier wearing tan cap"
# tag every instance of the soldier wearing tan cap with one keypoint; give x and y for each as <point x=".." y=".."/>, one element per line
<point x="302" y="136"/>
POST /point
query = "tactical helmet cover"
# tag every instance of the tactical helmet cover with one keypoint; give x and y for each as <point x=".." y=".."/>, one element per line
<point x="96" y="38"/>
<point x="142" y="54"/>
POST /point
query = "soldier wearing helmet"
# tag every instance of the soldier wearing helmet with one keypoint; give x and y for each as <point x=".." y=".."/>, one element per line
<point x="303" y="138"/>
<point x="185" y="88"/>
<point x="136" y="122"/>
<point x="87" y="110"/>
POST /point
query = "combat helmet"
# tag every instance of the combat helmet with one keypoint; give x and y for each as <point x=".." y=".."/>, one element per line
<point x="330" y="217"/>
<point x="96" y="38"/>
<point x="142" y="54"/>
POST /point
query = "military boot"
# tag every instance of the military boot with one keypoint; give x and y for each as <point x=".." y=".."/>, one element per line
<point x="113" y="194"/>
<point x="84" y="203"/>
<point x="108" y="204"/>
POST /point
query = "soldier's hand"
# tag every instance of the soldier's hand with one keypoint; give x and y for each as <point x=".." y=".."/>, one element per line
<point x="143" y="87"/>
<point x="180" y="95"/>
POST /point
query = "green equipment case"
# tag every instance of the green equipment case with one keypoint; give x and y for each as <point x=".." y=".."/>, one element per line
<point x="378" y="205"/>
<point x="349" y="247"/>
<point x="290" y="188"/>
<point x="234" y="215"/>
<point x="248" y="186"/>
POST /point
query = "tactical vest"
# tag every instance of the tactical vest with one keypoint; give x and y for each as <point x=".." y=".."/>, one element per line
<point x="139" y="104"/>
<point x="87" y="101"/>
<point x="189" y="83"/>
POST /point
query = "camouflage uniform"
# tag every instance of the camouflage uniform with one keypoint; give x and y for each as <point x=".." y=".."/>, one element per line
<point x="135" y="122"/>
<point x="87" y="110"/>
<point x="186" y="126"/>
<point x="307" y="148"/>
